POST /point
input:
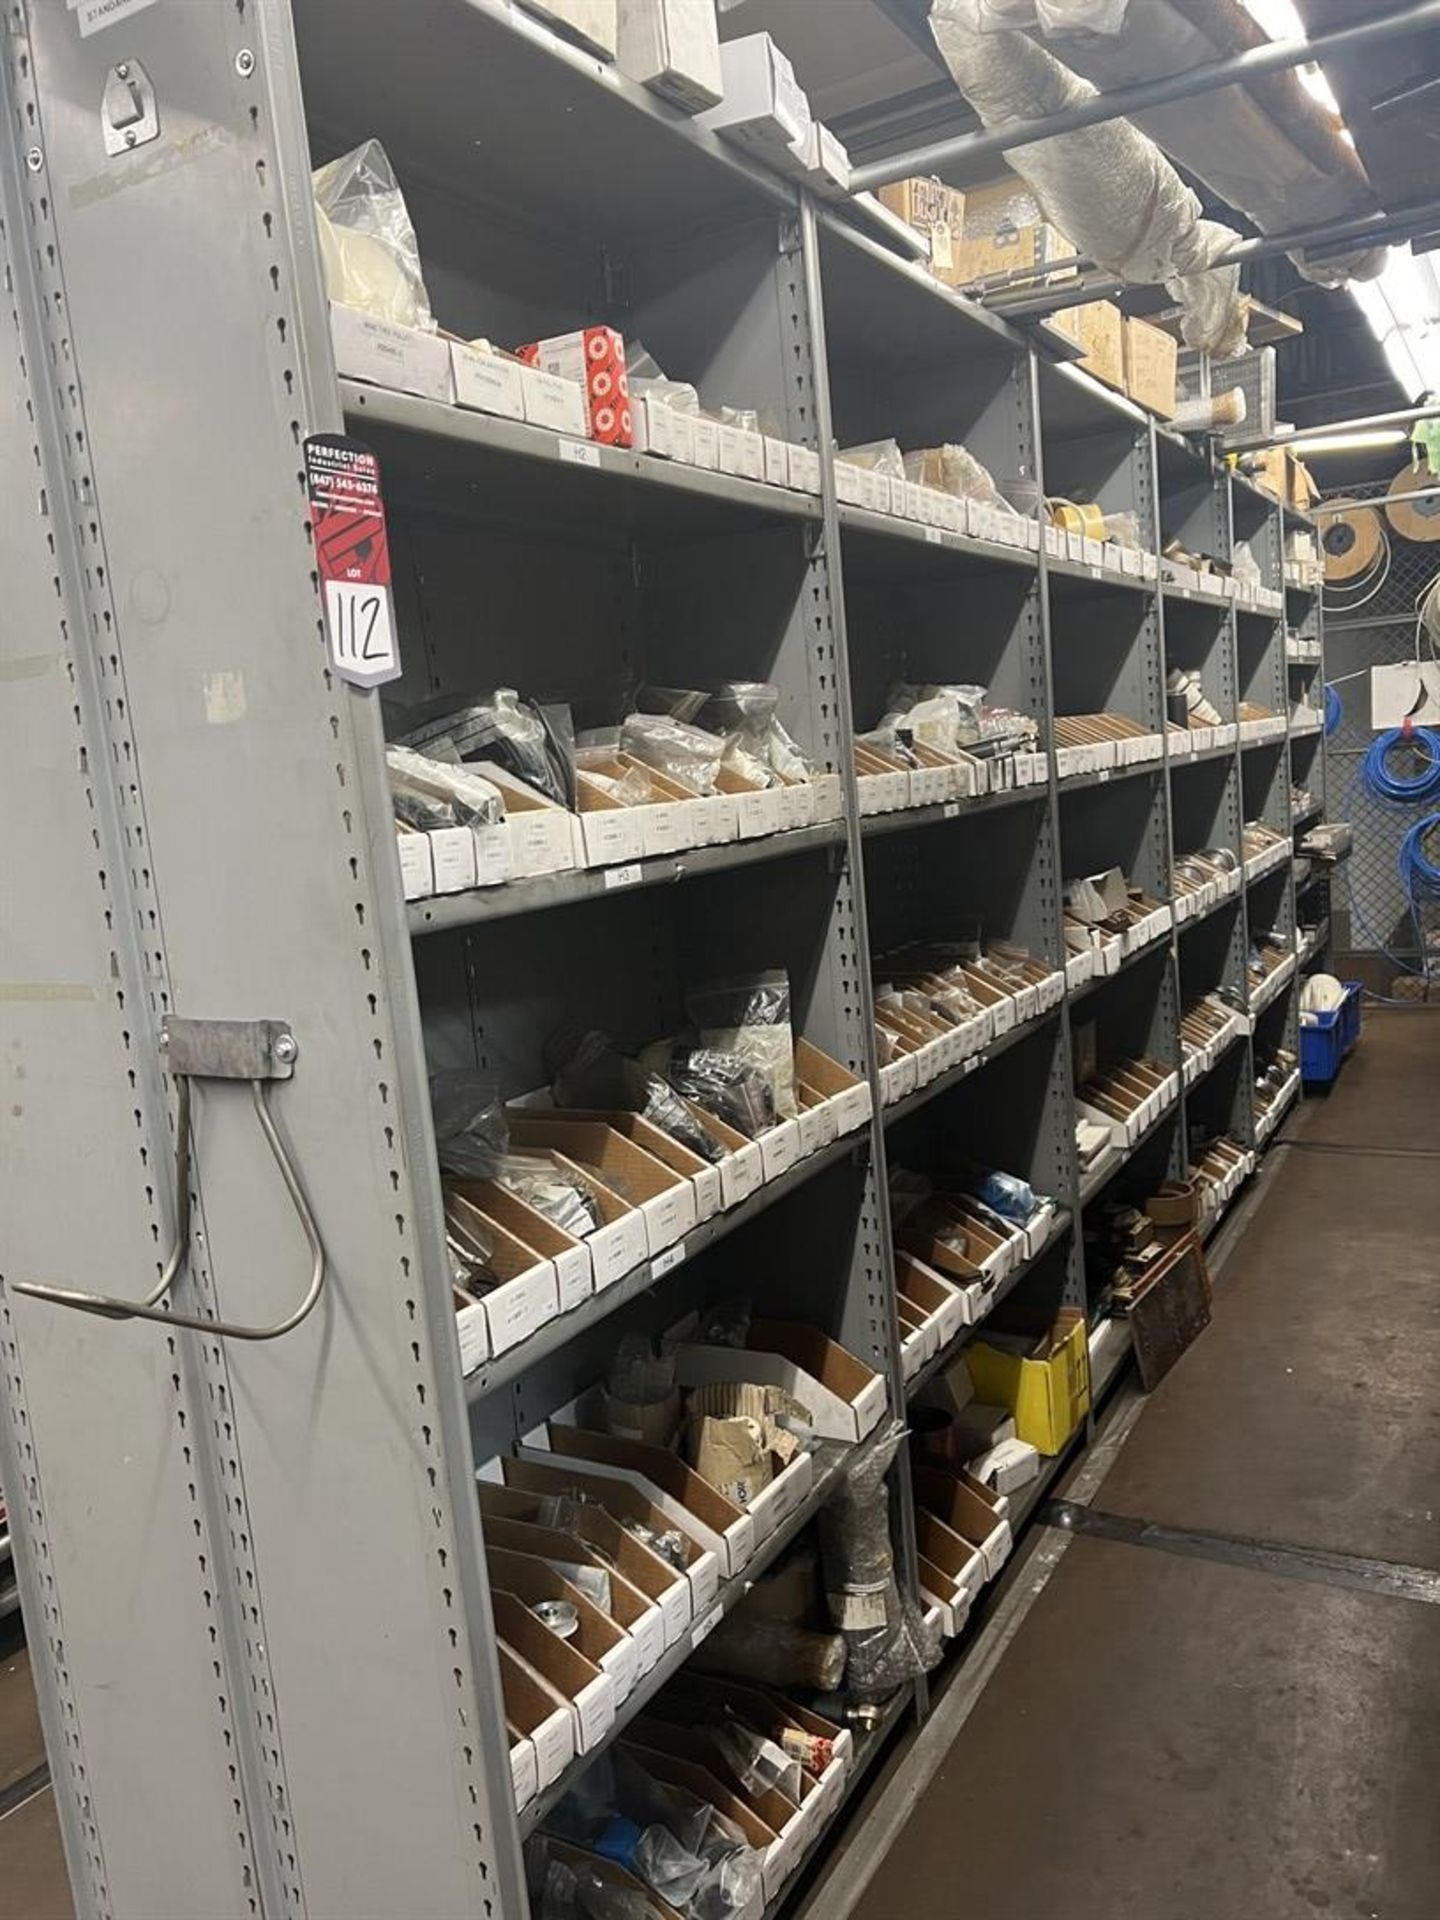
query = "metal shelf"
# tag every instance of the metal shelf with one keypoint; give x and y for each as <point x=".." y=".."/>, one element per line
<point x="1073" y="404"/>
<point x="478" y="465"/>
<point x="546" y="891"/>
<point x="832" y="1460"/>
<point x="559" y="1332"/>
<point x="1076" y="575"/>
<point x="881" y="542"/>
<point x="1098" y="981"/>
<point x="902" y="1109"/>
<point x="905" y="819"/>
<point x="1099" y="1177"/>
<point x="1105" y="776"/>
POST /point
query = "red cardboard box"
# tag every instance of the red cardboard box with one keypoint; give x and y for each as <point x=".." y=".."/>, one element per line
<point x="595" y="357"/>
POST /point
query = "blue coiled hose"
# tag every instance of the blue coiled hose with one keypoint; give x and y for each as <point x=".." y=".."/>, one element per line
<point x="1334" y="710"/>
<point x="1381" y="784"/>
<point x="1419" y="875"/>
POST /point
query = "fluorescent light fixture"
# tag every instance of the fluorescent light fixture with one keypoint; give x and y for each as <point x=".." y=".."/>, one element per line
<point x="1351" y="442"/>
<point x="1281" y="21"/>
<point x="1402" y="307"/>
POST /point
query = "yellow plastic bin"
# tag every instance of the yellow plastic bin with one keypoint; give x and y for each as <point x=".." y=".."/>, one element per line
<point x="1047" y="1390"/>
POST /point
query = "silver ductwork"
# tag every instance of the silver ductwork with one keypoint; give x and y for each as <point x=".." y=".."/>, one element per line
<point x="1108" y="187"/>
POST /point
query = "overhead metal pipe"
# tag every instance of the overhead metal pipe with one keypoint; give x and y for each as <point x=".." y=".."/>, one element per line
<point x="1402" y="417"/>
<point x="1338" y="237"/>
<point x="1274" y="57"/>
<point x="1337" y="507"/>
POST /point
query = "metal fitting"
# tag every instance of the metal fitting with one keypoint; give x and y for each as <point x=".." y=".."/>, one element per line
<point x="245" y="63"/>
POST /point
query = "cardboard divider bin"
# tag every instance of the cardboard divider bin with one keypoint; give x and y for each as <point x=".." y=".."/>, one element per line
<point x="541" y="840"/>
<point x="742" y="1171"/>
<point x="542" y="1474"/>
<point x="644" y="1898"/>
<point x="574" y="1274"/>
<point x="778" y="1858"/>
<point x="589" y="1693"/>
<point x="662" y="1477"/>
<point x="602" y="1640"/>
<point x="703" y="1175"/>
<point x="783" y="1812"/>
<point x="974" y="1513"/>
<point x="843" y="1396"/>
<point x="541" y="1718"/>
<point x="631" y="1610"/>
<point x="939" y="1303"/>
<point x="526" y="1297"/>
<point x="774" y="1716"/>
<point x="664" y="1199"/>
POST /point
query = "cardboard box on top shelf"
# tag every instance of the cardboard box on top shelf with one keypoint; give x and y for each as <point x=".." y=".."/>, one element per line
<point x="591" y="22"/>
<point x="935" y="210"/>
<point x="1005" y="230"/>
<point x="672" y="47"/>
<point x="1098" y="328"/>
<point x="764" y="107"/>
<point x="1151" y="362"/>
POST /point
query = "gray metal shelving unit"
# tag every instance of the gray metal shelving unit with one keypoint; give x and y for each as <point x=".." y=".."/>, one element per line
<point x="289" y="1670"/>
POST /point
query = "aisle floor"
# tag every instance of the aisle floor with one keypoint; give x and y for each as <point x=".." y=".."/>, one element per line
<point x="1172" y="1738"/>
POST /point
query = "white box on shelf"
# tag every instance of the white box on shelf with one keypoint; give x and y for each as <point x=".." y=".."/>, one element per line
<point x="383" y="354"/>
<point x="554" y="402"/>
<point x="487" y="382"/>
<point x="804" y="468"/>
<point x="672" y="47"/>
<point x="763" y="106"/>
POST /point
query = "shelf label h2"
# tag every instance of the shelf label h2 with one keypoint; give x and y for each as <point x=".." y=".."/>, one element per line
<point x="352" y="557"/>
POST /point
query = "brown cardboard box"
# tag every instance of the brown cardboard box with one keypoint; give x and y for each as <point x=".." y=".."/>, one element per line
<point x="1099" y="329"/>
<point x="1004" y="231"/>
<point x="1151" y="359"/>
<point x="931" y="207"/>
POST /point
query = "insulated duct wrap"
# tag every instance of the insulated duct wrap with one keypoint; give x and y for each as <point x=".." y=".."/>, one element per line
<point x="1109" y="188"/>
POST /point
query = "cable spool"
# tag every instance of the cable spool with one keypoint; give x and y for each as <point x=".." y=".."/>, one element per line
<point x="1417" y="520"/>
<point x="1353" y="541"/>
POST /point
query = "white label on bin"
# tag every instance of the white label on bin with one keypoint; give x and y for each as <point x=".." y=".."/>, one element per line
<point x="581" y="453"/>
<point x="627" y="876"/>
<point x="934" y="537"/>
<point x="951" y="810"/>
<point x="671" y="1257"/>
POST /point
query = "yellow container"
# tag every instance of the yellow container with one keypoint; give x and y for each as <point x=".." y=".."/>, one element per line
<point x="1050" y="1395"/>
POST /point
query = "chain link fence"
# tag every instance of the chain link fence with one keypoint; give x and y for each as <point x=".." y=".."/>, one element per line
<point x="1375" y="623"/>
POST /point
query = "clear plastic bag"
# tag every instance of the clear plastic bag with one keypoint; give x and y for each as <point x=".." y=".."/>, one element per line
<point x="954" y="470"/>
<point x="542" y="1186"/>
<point x="1007" y="1195"/>
<point x="757" y="1763"/>
<point x="428" y="793"/>
<point x="589" y="1072"/>
<point x="887" y="1642"/>
<point x="731" y="1088"/>
<point x="471" y="1136"/>
<point x="534" y="743"/>
<point x="648" y="380"/>
<point x="876" y="456"/>
<point x="573" y="1890"/>
<point x="367" y="244"/>
<point x="750" y="709"/>
<point x="751" y="1018"/>
<point x="673" y="747"/>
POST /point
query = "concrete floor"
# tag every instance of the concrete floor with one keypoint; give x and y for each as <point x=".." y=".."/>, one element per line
<point x="1167" y="1739"/>
<point x="1171" y="1739"/>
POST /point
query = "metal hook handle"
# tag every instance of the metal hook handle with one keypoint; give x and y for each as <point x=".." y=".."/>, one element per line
<point x="111" y="1308"/>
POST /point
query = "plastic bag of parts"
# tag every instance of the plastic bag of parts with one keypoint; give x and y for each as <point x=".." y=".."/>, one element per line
<point x="1007" y="1195"/>
<point x="470" y="1253"/>
<point x="648" y="381"/>
<point x="574" y="1890"/>
<point x="772" y="1653"/>
<point x="1051" y="16"/>
<point x="876" y="456"/>
<point x="541" y="1185"/>
<point x="1243" y="563"/>
<point x="367" y="244"/>
<point x="725" y="1084"/>
<point x="589" y="1072"/>
<point x="750" y="709"/>
<point x="886" y="1639"/>
<point x="471" y="1136"/>
<point x="751" y="1018"/>
<point x="535" y="744"/>
<point x="757" y="1763"/>
<point x="638" y="1376"/>
<point x="632" y="788"/>
<point x="428" y="794"/>
<point x="673" y="747"/>
<point x="1147" y="226"/>
<point x="955" y="470"/>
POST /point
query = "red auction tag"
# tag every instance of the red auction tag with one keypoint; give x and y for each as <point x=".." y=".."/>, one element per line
<point x="352" y="556"/>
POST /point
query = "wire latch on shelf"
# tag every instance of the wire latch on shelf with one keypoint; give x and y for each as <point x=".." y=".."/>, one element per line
<point x="253" y="1051"/>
